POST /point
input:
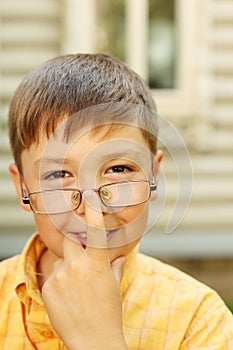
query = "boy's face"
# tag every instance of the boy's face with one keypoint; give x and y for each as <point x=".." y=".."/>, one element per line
<point x="88" y="162"/>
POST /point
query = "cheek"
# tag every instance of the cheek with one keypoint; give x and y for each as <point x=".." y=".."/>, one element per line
<point x="135" y="213"/>
<point x="50" y="235"/>
<point x="133" y="221"/>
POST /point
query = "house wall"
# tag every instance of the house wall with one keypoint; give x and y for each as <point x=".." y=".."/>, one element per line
<point x="200" y="110"/>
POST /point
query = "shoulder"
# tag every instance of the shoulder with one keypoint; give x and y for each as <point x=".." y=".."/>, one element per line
<point x="160" y="271"/>
<point x="14" y="270"/>
<point x="174" y="287"/>
<point x="8" y="275"/>
<point x="8" y="268"/>
<point x="180" y="290"/>
<point x="155" y="268"/>
<point x="179" y="305"/>
<point x="166" y="277"/>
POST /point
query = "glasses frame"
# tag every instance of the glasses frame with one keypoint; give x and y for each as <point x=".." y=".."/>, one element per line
<point x="26" y="197"/>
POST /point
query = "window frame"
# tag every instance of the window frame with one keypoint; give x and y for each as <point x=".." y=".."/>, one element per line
<point x="174" y="103"/>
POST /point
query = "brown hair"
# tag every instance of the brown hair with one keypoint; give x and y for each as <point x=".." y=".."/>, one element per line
<point x="68" y="84"/>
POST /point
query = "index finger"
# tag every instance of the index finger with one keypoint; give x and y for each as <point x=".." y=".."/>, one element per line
<point x="97" y="242"/>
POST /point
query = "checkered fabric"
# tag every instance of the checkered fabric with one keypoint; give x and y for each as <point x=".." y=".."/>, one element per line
<point x="163" y="308"/>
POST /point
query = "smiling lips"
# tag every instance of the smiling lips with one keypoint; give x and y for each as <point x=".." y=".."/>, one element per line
<point x="82" y="236"/>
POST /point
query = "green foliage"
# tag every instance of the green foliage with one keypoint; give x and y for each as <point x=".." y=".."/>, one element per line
<point x="229" y="304"/>
<point x="111" y="28"/>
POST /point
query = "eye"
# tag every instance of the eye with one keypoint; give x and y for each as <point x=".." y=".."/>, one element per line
<point x="119" y="169"/>
<point x="59" y="174"/>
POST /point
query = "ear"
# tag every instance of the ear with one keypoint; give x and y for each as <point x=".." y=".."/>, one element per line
<point x="15" y="176"/>
<point x="156" y="163"/>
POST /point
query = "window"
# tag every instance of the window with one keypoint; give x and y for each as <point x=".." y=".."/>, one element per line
<point x="161" y="46"/>
<point x="159" y="18"/>
<point x="110" y="28"/>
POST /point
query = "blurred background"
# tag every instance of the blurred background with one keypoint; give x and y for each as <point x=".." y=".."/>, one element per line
<point x="184" y="50"/>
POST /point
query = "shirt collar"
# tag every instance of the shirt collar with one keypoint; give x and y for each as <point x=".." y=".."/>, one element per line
<point x="26" y="285"/>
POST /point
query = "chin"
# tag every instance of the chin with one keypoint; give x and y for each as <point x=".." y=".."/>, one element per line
<point x="123" y="250"/>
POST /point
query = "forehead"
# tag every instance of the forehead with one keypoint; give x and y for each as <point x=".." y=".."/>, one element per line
<point x="99" y="144"/>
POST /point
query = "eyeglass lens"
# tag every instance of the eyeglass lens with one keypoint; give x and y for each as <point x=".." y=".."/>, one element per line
<point x="113" y="195"/>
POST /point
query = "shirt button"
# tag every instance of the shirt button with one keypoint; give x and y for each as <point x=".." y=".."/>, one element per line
<point x="46" y="333"/>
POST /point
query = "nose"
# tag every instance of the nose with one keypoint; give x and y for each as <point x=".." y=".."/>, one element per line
<point x="91" y="198"/>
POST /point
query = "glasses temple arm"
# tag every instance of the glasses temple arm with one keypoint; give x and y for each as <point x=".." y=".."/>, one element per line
<point x="153" y="186"/>
<point x="25" y="199"/>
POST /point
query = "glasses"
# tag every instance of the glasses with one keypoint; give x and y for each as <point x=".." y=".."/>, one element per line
<point x="113" y="195"/>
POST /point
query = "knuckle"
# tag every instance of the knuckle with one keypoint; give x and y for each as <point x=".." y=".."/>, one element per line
<point x="58" y="276"/>
<point x="74" y="265"/>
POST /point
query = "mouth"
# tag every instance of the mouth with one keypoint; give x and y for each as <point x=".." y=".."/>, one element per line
<point x="82" y="236"/>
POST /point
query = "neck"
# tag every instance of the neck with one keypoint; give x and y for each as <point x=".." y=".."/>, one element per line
<point x="45" y="267"/>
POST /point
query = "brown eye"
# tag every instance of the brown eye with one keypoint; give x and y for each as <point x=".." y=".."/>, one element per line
<point x="119" y="169"/>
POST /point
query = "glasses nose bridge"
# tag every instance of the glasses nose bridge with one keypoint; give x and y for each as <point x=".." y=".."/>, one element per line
<point x="86" y="194"/>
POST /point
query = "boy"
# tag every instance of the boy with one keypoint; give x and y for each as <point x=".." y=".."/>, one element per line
<point x="83" y="134"/>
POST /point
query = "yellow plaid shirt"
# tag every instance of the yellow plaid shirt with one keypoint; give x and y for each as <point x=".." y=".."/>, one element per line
<point x="162" y="307"/>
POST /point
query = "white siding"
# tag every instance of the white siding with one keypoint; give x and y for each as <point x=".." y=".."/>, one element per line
<point x="29" y="35"/>
<point x="201" y="107"/>
<point x="207" y="125"/>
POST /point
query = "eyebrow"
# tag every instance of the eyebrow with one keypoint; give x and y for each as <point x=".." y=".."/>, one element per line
<point x="52" y="160"/>
<point x="115" y="155"/>
<point x="106" y="157"/>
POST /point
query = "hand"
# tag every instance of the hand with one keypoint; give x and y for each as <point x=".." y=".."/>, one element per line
<point x="82" y="295"/>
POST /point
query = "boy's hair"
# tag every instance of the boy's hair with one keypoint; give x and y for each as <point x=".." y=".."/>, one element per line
<point x="68" y="84"/>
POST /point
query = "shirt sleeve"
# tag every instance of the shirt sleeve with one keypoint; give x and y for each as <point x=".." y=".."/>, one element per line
<point x="211" y="327"/>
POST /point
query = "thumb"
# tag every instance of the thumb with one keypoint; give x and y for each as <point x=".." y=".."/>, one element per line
<point x="117" y="267"/>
